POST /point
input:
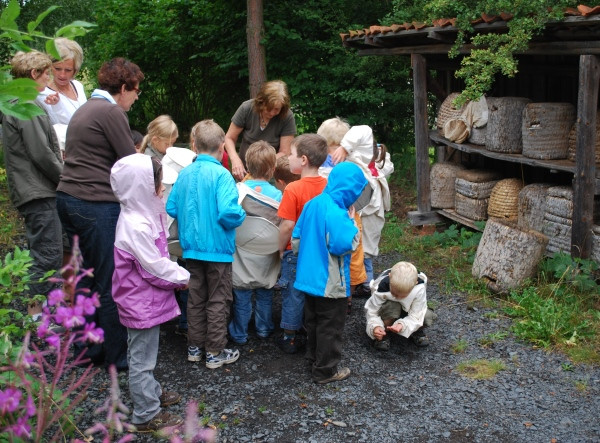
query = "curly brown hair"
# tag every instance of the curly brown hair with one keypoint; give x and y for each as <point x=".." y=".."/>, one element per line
<point x="272" y="94"/>
<point x="118" y="72"/>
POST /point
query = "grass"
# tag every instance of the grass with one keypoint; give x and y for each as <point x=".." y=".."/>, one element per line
<point x="481" y="369"/>
<point x="460" y="346"/>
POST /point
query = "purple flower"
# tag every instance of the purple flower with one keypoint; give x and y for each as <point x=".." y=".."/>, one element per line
<point x="69" y="317"/>
<point x="92" y="334"/>
<point x="21" y="428"/>
<point x="56" y="297"/>
<point x="9" y="400"/>
<point x="42" y="330"/>
<point x="30" y="407"/>
<point x="53" y="340"/>
<point x="87" y="304"/>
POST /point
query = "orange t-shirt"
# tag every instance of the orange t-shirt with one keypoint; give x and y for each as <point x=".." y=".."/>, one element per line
<point x="296" y="194"/>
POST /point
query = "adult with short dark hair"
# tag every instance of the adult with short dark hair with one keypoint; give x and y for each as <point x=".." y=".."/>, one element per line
<point x="267" y="117"/>
<point x="98" y="136"/>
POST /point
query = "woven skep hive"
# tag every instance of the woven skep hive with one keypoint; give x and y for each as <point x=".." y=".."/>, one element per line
<point x="546" y="128"/>
<point x="477" y="135"/>
<point x="504" y="125"/>
<point x="595" y="255"/>
<point x="442" y="178"/>
<point x="532" y="206"/>
<point x="504" y="200"/>
<point x="573" y="139"/>
<point x="507" y="256"/>
<point x="446" y="112"/>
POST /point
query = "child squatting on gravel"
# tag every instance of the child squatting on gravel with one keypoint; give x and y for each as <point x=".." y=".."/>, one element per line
<point x="398" y="304"/>
<point x="143" y="283"/>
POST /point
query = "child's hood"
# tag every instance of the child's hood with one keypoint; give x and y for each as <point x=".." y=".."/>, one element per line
<point x="132" y="181"/>
<point x="345" y="184"/>
<point x="358" y="138"/>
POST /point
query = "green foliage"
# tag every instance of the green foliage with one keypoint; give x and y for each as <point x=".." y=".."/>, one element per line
<point x="548" y="321"/>
<point x="465" y="238"/>
<point x="494" y="53"/>
<point x="14" y="278"/>
<point x="571" y="272"/>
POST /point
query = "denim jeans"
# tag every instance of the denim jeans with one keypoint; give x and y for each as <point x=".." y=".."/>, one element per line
<point x="242" y="311"/>
<point x="369" y="267"/>
<point x="44" y="237"/>
<point x="145" y="391"/>
<point x="292" y="300"/>
<point x="95" y="224"/>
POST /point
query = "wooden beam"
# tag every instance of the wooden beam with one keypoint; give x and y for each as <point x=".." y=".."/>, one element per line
<point x="585" y="167"/>
<point x="435" y="88"/>
<point x="418" y="218"/>
<point x="419" y="67"/>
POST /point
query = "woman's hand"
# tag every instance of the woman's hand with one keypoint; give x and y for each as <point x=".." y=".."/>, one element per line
<point x="52" y="99"/>
<point x="237" y="167"/>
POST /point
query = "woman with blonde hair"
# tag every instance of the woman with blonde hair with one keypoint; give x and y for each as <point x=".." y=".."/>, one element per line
<point x="64" y="95"/>
<point x="161" y="134"/>
<point x="267" y="117"/>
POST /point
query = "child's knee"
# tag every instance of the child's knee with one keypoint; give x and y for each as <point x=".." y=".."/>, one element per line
<point x="430" y="317"/>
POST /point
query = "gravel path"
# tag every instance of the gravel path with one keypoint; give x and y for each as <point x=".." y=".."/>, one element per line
<point x="408" y="394"/>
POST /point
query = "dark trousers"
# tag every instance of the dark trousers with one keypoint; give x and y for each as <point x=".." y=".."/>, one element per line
<point x="208" y="305"/>
<point x="95" y="224"/>
<point x="324" y="319"/>
<point x="44" y="238"/>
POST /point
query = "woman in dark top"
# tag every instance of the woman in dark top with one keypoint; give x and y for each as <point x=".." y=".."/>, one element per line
<point x="98" y="136"/>
<point x="267" y="117"/>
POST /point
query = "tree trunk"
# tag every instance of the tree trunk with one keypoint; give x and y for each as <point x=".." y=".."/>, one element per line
<point x="257" y="68"/>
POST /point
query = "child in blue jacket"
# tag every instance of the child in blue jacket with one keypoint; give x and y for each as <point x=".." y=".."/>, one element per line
<point x="324" y="237"/>
<point x="204" y="201"/>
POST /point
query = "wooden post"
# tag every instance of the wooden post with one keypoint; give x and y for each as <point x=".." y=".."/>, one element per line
<point x="419" y="67"/>
<point x="585" y="166"/>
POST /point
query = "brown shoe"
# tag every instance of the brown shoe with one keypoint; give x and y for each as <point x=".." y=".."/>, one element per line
<point x="160" y="421"/>
<point x="169" y="398"/>
<point x="341" y="374"/>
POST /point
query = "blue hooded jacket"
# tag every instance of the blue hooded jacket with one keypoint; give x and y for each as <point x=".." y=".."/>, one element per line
<point x="325" y="235"/>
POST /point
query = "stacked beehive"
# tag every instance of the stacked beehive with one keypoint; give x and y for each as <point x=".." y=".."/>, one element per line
<point x="473" y="189"/>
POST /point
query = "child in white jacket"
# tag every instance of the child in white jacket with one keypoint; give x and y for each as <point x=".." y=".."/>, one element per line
<point x="398" y="304"/>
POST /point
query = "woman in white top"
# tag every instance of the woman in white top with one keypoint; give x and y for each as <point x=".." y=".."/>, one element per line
<point x="63" y="95"/>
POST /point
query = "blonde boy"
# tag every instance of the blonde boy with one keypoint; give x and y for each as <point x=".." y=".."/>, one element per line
<point x="332" y="130"/>
<point x="398" y="304"/>
<point x="260" y="161"/>
<point x="204" y="201"/>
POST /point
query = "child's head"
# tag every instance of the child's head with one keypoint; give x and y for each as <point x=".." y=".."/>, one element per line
<point x="333" y="130"/>
<point x="157" y="170"/>
<point x="308" y="151"/>
<point x="138" y="138"/>
<point x="403" y="278"/>
<point x="162" y="133"/>
<point x="207" y="137"/>
<point x="260" y="160"/>
<point x="34" y="65"/>
<point x="283" y="176"/>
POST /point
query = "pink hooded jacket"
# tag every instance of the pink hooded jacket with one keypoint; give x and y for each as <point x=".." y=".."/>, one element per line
<point x="144" y="279"/>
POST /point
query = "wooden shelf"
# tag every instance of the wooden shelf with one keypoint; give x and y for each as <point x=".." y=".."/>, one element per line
<point x="558" y="165"/>
<point x="452" y="215"/>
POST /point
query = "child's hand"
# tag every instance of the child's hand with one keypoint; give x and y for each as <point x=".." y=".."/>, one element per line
<point x="183" y="288"/>
<point x="339" y="155"/>
<point x="351" y="212"/>
<point x="378" y="332"/>
<point x="397" y="328"/>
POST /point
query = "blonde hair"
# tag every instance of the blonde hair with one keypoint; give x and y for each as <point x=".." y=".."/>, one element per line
<point x="207" y="136"/>
<point x="333" y="130"/>
<point x="162" y="127"/>
<point x="282" y="170"/>
<point x="24" y="62"/>
<point x="260" y="160"/>
<point x="271" y="95"/>
<point x="69" y="50"/>
<point x="403" y="278"/>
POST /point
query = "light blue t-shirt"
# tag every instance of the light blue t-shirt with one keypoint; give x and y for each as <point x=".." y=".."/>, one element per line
<point x="265" y="188"/>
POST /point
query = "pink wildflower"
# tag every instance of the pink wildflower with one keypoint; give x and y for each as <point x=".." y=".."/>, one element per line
<point x="69" y="317"/>
<point x="30" y="407"/>
<point x="55" y="297"/>
<point x="21" y="428"/>
<point x="87" y="304"/>
<point x="53" y="340"/>
<point x="92" y="334"/>
<point x="9" y="400"/>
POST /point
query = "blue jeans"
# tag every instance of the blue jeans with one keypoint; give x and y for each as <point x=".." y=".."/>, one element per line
<point x="292" y="300"/>
<point x="369" y="268"/>
<point x="242" y="311"/>
<point x="95" y="224"/>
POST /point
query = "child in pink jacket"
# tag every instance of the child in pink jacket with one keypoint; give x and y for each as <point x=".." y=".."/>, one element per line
<point x="143" y="283"/>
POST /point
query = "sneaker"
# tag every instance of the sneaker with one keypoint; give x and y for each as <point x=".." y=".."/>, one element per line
<point x="160" y="421"/>
<point x="181" y="331"/>
<point x="341" y="374"/>
<point x="382" y="345"/>
<point x="419" y="338"/>
<point x="194" y="353"/>
<point x="290" y="345"/>
<point x="168" y="398"/>
<point x="362" y="291"/>
<point x="225" y="357"/>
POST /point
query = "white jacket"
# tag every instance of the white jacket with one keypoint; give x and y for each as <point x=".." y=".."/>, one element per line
<point x="415" y="304"/>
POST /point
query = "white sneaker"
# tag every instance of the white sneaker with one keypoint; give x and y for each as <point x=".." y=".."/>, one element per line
<point x="225" y="357"/>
